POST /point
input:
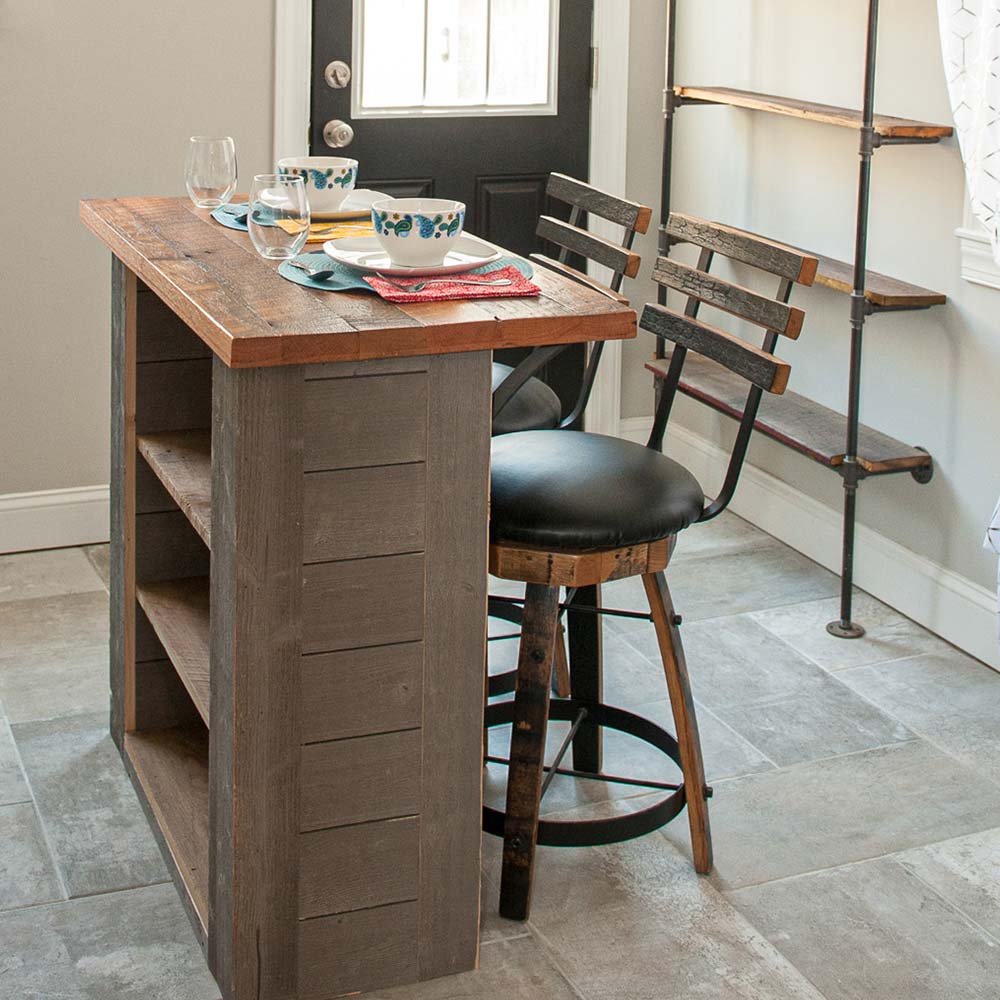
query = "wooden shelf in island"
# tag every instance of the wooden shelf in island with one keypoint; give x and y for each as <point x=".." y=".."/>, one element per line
<point x="828" y="114"/>
<point x="799" y="423"/>
<point x="182" y="460"/>
<point x="169" y="768"/>
<point x="178" y="612"/>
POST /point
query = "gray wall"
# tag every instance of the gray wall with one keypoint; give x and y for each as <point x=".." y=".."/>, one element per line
<point x="931" y="377"/>
<point x="98" y="100"/>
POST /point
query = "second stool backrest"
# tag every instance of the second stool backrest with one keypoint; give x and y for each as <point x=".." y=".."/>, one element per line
<point x="571" y="238"/>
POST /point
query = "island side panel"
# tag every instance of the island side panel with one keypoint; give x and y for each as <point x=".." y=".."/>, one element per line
<point x="256" y="598"/>
<point x="370" y="876"/>
<point x="122" y="564"/>
<point x="365" y="488"/>
<point x="458" y="471"/>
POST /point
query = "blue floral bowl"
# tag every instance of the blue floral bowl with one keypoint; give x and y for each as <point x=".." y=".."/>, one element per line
<point x="329" y="179"/>
<point x="418" y="232"/>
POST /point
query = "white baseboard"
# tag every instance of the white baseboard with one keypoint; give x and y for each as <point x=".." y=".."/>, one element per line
<point x="54" y="519"/>
<point x="953" y="607"/>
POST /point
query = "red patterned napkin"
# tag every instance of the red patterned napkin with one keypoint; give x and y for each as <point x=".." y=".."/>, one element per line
<point x="442" y="290"/>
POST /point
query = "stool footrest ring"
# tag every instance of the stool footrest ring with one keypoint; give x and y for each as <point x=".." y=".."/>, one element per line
<point x="591" y="833"/>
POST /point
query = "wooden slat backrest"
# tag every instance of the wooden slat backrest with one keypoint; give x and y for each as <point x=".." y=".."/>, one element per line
<point x="595" y="248"/>
<point x="757" y="366"/>
<point x="732" y="298"/>
<point x="781" y="260"/>
<point x="629" y="214"/>
<point x="578" y="276"/>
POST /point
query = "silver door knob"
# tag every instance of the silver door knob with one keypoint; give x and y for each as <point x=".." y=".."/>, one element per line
<point x="338" y="134"/>
<point x="337" y="74"/>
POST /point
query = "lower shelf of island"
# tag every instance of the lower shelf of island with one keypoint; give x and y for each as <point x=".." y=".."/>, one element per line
<point x="169" y="769"/>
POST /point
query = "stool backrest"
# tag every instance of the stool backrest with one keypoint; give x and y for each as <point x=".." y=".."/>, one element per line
<point x="572" y="238"/>
<point x="758" y="365"/>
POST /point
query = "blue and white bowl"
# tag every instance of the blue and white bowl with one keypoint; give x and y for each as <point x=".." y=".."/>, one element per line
<point x="418" y="232"/>
<point x="329" y="179"/>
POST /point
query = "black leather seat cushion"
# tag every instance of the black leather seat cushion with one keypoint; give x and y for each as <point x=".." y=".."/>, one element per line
<point x="534" y="407"/>
<point x="573" y="490"/>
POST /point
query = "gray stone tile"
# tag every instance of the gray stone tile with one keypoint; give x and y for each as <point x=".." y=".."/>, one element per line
<point x="785" y="705"/>
<point x="966" y="872"/>
<point x="852" y="808"/>
<point x="13" y="787"/>
<point x="723" y="535"/>
<point x="134" y="945"/>
<point x="873" y="931"/>
<point x="96" y="827"/>
<point x="100" y="559"/>
<point x="24" y="575"/>
<point x="950" y="698"/>
<point x="54" y="656"/>
<point x="729" y="583"/>
<point x="889" y="636"/>
<point x="633" y="921"/>
<point x="27" y="876"/>
<point x="516" y="969"/>
<point x="493" y="927"/>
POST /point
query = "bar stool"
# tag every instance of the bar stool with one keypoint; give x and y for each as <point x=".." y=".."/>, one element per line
<point x="521" y="401"/>
<point x="575" y="510"/>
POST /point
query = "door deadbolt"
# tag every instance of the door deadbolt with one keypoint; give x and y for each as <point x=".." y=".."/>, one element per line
<point x="337" y="74"/>
<point x="337" y="134"/>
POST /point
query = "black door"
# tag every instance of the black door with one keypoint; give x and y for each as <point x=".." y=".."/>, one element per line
<point x="438" y="97"/>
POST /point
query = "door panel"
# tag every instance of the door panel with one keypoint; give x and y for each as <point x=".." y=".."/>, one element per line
<point x="497" y="164"/>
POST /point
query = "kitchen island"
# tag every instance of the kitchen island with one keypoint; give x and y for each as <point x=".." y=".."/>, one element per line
<point x="300" y="487"/>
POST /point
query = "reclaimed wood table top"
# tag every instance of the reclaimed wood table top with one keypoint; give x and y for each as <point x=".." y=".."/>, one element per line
<point x="250" y="316"/>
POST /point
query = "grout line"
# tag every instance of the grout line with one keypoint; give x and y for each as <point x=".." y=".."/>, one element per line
<point x="552" y="955"/>
<point x="944" y="899"/>
<point x="702" y="707"/>
<point x="46" y="838"/>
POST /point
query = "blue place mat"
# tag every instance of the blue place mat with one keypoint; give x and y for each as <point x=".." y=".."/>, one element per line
<point x="234" y="216"/>
<point x="225" y="216"/>
<point x="346" y="279"/>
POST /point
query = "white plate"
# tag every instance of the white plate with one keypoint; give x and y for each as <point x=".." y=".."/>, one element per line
<point x="365" y="254"/>
<point x="356" y="205"/>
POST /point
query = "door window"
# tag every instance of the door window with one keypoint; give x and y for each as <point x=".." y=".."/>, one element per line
<point x="455" y="57"/>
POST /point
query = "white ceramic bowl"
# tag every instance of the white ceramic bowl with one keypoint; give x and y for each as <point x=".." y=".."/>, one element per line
<point x="418" y="232"/>
<point x="329" y="179"/>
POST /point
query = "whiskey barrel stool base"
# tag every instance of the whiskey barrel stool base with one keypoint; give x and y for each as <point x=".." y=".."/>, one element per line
<point x="593" y="833"/>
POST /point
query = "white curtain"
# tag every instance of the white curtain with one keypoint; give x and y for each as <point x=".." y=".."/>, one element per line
<point x="970" y="39"/>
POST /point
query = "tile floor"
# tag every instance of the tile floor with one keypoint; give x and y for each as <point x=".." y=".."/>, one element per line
<point x="856" y="811"/>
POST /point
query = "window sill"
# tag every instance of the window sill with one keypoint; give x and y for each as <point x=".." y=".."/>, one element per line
<point x="978" y="263"/>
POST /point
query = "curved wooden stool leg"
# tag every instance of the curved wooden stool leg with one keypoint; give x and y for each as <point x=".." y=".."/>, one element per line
<point x="527" y="749"/>
<point x="682" y="704"/>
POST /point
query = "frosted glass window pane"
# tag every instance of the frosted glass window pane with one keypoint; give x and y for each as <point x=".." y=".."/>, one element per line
<point x="519" y="52"/>
<point x="456" y="52"/>
<point x="392" y="73"/>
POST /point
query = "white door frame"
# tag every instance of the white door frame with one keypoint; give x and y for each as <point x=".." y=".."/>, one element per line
<point x="608" y="131"/>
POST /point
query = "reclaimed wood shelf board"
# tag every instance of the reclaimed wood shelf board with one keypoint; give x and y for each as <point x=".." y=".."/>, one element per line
<point x="169" y="768"/>
<point x="885" y="125"/>
<point x="182" y="461"/>
<point x="799" y="423"/>
<point x="178" y="612"/>
<point x="880" y="289"/>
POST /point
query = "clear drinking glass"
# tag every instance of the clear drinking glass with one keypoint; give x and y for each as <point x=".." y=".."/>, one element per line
<point x="210" y="172"/>
<point x="278" y="217"/>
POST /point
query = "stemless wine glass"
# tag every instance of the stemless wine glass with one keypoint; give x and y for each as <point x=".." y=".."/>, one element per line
<point x="278" y="216"/>
<point x="210" y="172"/>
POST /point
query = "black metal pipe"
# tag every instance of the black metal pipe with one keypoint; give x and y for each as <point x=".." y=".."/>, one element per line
<point x="846" y="627"/>
<point x="666" y="174"/>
